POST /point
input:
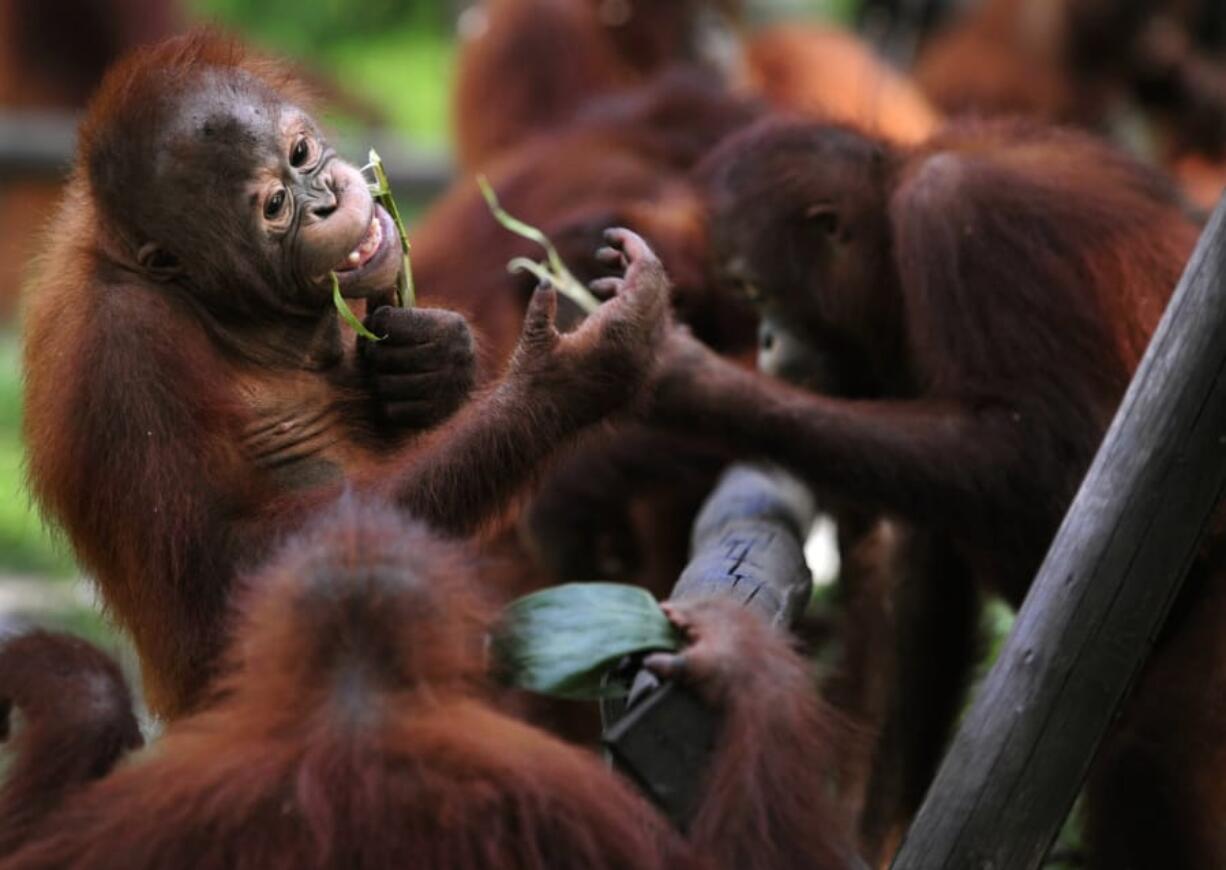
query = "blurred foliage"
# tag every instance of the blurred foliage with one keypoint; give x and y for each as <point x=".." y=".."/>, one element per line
<point x="834" y="10"/>
<point x="398" y="55"/>
<point x="995" y="622"/>
<point x="407" y="74"/>
<point x="26" y="545"/>
<point x="305" y="27"/>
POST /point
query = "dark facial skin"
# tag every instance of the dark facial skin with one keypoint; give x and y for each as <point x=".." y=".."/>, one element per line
<point x="248" y="207"/>
<point x="812" y="262"/>
<point x="249" y="210"/>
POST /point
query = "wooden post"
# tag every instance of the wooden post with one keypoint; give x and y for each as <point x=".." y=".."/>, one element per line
<point x="1100" y="598"/>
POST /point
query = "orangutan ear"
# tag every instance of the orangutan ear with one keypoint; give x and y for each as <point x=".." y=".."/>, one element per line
<point x="159" y="263"/>
<point x="825" y="217"/>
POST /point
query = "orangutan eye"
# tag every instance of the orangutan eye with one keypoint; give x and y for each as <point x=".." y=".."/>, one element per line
<point x="300" y="154"/>
<point x="274" y="204"/>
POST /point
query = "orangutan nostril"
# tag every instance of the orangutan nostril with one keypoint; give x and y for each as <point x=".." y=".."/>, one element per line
<point x="325" y="208"/>
<point x="326" y="196"/>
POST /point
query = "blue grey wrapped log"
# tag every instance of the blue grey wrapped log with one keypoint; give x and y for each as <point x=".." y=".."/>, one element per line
<point x="748" y="544"/>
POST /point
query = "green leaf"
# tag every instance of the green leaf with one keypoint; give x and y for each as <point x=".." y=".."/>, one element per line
<point x="347" y="315"/>
<point x="562" y="640"/>
<point x="559" y="276"/>
<point x="381" y="190"/>
<point x="535" y="269"/>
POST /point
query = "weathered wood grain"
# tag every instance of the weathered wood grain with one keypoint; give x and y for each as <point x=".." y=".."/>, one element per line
<point x="1099" y="600"/>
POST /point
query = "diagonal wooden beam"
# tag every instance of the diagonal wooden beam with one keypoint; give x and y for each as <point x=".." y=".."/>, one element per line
<point x="1101" y="596"/>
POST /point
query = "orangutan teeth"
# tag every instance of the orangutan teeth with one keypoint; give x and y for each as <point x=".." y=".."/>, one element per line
<point x="369" y="247"/>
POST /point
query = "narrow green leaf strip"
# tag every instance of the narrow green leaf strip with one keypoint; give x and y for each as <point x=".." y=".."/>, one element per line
<point x="346" y="313"/>
<point x="381" y="190"/>
<point x="556" y="272"/>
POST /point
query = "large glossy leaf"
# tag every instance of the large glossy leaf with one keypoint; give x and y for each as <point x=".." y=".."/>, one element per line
<point x="563" y="640"/>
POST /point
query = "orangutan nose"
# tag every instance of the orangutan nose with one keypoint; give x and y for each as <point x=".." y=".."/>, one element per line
<point x="324" y="200"/>
<point x="324" y="206"/>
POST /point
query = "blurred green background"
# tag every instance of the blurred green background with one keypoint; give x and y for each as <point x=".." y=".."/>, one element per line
<point x="395" y="53"/>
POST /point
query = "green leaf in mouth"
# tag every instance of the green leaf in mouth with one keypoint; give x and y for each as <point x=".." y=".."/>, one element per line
<point x="346" y="313"/>
<point x="381" y="190"/>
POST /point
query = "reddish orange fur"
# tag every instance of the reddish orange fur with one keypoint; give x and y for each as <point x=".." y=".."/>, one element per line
<point x="831" y="75"/>
<point x="625" y="162"/>
<point x="535" y="64"/>
<point x="1000" y="60"/>
<point x="1089" y="62"/>
<point x="76" y="723"/>
<point x="578" y="58"/>
<point x="998" y="285"/>
<point x="140" y="410"/>
<point x="353" y="730"/>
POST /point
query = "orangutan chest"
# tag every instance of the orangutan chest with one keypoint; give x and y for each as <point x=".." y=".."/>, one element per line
<point x="296" y="431"/>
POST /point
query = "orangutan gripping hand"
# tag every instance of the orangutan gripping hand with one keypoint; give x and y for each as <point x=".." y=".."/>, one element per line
<point x="424" y="368"/>
<point x="611" y="355"/>
<point x="977" y="305"/>
<point x="741" y="665"/>
<point x="555" y="386"/>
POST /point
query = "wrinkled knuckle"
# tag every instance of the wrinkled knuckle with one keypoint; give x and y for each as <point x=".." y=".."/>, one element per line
<point x="397" y="317"/>
<point x="398" y="333"/>
<point x="378" y="320"/>
<point x="462" y="342"/>
<point x="406" y="418"/>
<point x="437" y="319"/>
<point x="394" y="388"/>
<point x="406" y="412"/>
<point x="421" y="329"/>
<point x="389" y="364"/>
<point x="450" y="358"/>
